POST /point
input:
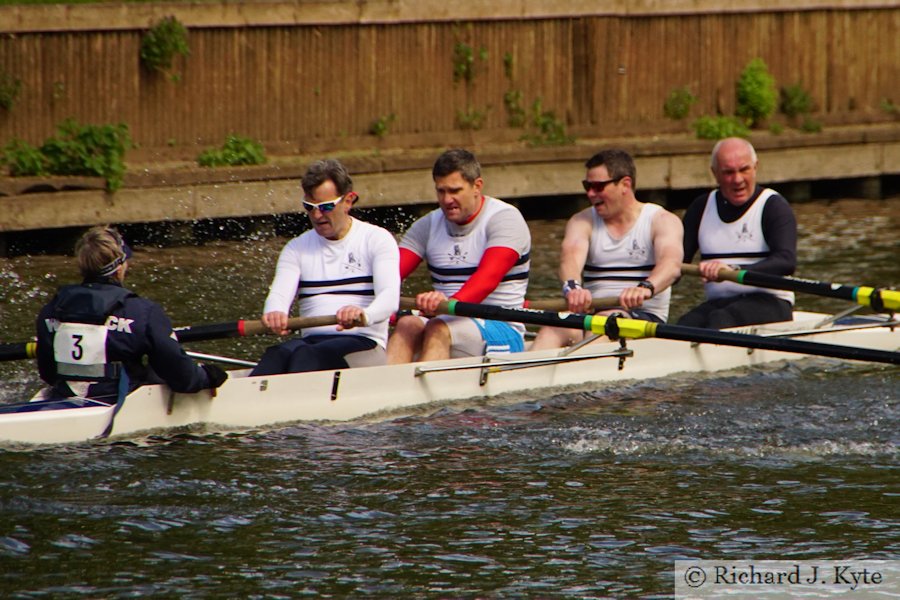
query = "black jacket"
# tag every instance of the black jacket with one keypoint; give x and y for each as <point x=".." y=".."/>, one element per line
<point x="135" y="328"/>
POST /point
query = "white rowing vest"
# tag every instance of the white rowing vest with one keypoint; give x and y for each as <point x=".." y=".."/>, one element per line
<point x="335" y="273"/>
<point x="615" y="264"/>
<point x="453" y="254"/>
<point x="739" y="243"/>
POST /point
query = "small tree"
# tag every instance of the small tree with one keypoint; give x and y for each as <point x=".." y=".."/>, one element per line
<point x="757" y="96"/>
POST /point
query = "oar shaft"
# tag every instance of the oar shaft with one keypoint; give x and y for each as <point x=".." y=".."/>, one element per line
<point x="728" y="338"/>
<point x="636" y="328"/>
<point x="18" y="351"/>
<point x="879" y="300"/>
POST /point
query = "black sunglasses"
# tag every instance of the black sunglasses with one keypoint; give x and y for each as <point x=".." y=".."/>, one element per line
<point x="599" y="186"/>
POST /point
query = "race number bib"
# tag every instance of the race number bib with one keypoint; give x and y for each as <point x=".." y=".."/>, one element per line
<point x="80" y="344"/>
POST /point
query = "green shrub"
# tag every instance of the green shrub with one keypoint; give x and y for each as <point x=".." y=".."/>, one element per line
<point x="471" y="118"/>
<point x="678" y="103"/>
<point x="716" y="128"/>
<point x="93" y="150"/>
<point x="235" y="151"/>
<point x="509" y="64"/>
<point x="160" y="45"/>
<point x="380" y="126"/>
<point x="464" y="61"/>
<point x="10" y="88"/>
<point x="810" y="125"/>
<point x="23" y="159"/>
<point x="757" y="96"/>
<point x="550" y="130"/>
<point x="515" y="113"/>
<point x="888" y="106"/>
<point x="795" y="101"/>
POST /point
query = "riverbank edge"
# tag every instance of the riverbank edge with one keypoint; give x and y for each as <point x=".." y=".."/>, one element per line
<point x="857" y="160"/>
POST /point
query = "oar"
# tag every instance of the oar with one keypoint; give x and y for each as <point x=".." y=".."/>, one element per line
<point x="190" y="333"/>
<point x="196" y="333"/>
<point x="18" y="350"/>
<point x="878" y="299"/>
<point x="615" y="327"/>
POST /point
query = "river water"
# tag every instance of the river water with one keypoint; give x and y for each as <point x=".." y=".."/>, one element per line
<point x="583" y="495"/>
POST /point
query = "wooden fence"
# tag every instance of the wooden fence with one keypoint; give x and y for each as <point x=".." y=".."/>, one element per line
<point x="318" y="75"/>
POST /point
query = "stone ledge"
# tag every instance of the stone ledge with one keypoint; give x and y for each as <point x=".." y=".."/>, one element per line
<point x="174" y="191"/>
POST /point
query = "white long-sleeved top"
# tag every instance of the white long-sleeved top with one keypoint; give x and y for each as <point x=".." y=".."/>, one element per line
<point x="360" y="269"/>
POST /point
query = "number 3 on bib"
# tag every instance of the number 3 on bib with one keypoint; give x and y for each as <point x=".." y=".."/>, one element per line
<point x="80" y="344"/>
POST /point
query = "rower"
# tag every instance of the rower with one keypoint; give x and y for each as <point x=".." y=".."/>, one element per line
<point x="617" y="247"/>
<point x="477" y="249"/>
<point x="343" y="267"/>
<point x="740" y="225"/>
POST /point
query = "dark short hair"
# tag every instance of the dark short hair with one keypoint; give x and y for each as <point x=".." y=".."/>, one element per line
<point x="618" y="164"/>
<point x="324" y="170"/>
<point x="457" y="160"/>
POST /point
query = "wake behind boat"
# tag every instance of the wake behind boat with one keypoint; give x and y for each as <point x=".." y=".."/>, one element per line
<point x="251" y="402"/>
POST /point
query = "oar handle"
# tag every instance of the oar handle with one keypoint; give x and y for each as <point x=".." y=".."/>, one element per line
<point x="725" y="274"/>
<point x="294" y="323"/>
<point x="196" y="333"/>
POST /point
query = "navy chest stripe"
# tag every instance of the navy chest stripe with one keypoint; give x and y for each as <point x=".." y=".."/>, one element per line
<point x="597" y="269"/>
<point x="736" y="255"/>
<point x="335" y="282"/>
<point x="340" y="293"/>
<point x="507" y="277"/>
<point x="618" y="278"/>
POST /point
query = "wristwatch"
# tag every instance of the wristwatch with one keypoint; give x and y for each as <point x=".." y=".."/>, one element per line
<point x="572" y="284"/>
<point x="649" y="285"/>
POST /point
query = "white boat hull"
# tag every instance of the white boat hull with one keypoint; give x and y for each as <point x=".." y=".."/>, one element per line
<point x="252" y="402"/>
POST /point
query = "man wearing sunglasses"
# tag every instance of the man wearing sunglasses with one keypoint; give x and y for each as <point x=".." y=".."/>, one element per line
<point x="342" y="267"/>
<point x="617" y="248"/>
<point x="740" y="225"/>
<point x="477" y="249"/>
<point x="93" y="337"/>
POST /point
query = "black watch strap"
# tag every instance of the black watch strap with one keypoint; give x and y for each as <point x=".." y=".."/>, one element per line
<point x="572" y="284"/>
<point x="649" y="285"/>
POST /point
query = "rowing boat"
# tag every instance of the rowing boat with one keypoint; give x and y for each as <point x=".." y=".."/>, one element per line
<point x="245" y="402"/>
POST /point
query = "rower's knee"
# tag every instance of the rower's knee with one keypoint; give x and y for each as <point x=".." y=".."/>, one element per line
<point x="552" y="337"/>
<point x="405" y="340"/>
<point x="436" y="340"/>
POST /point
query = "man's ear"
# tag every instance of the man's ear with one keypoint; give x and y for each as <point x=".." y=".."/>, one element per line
<point x="351" y="198"/>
